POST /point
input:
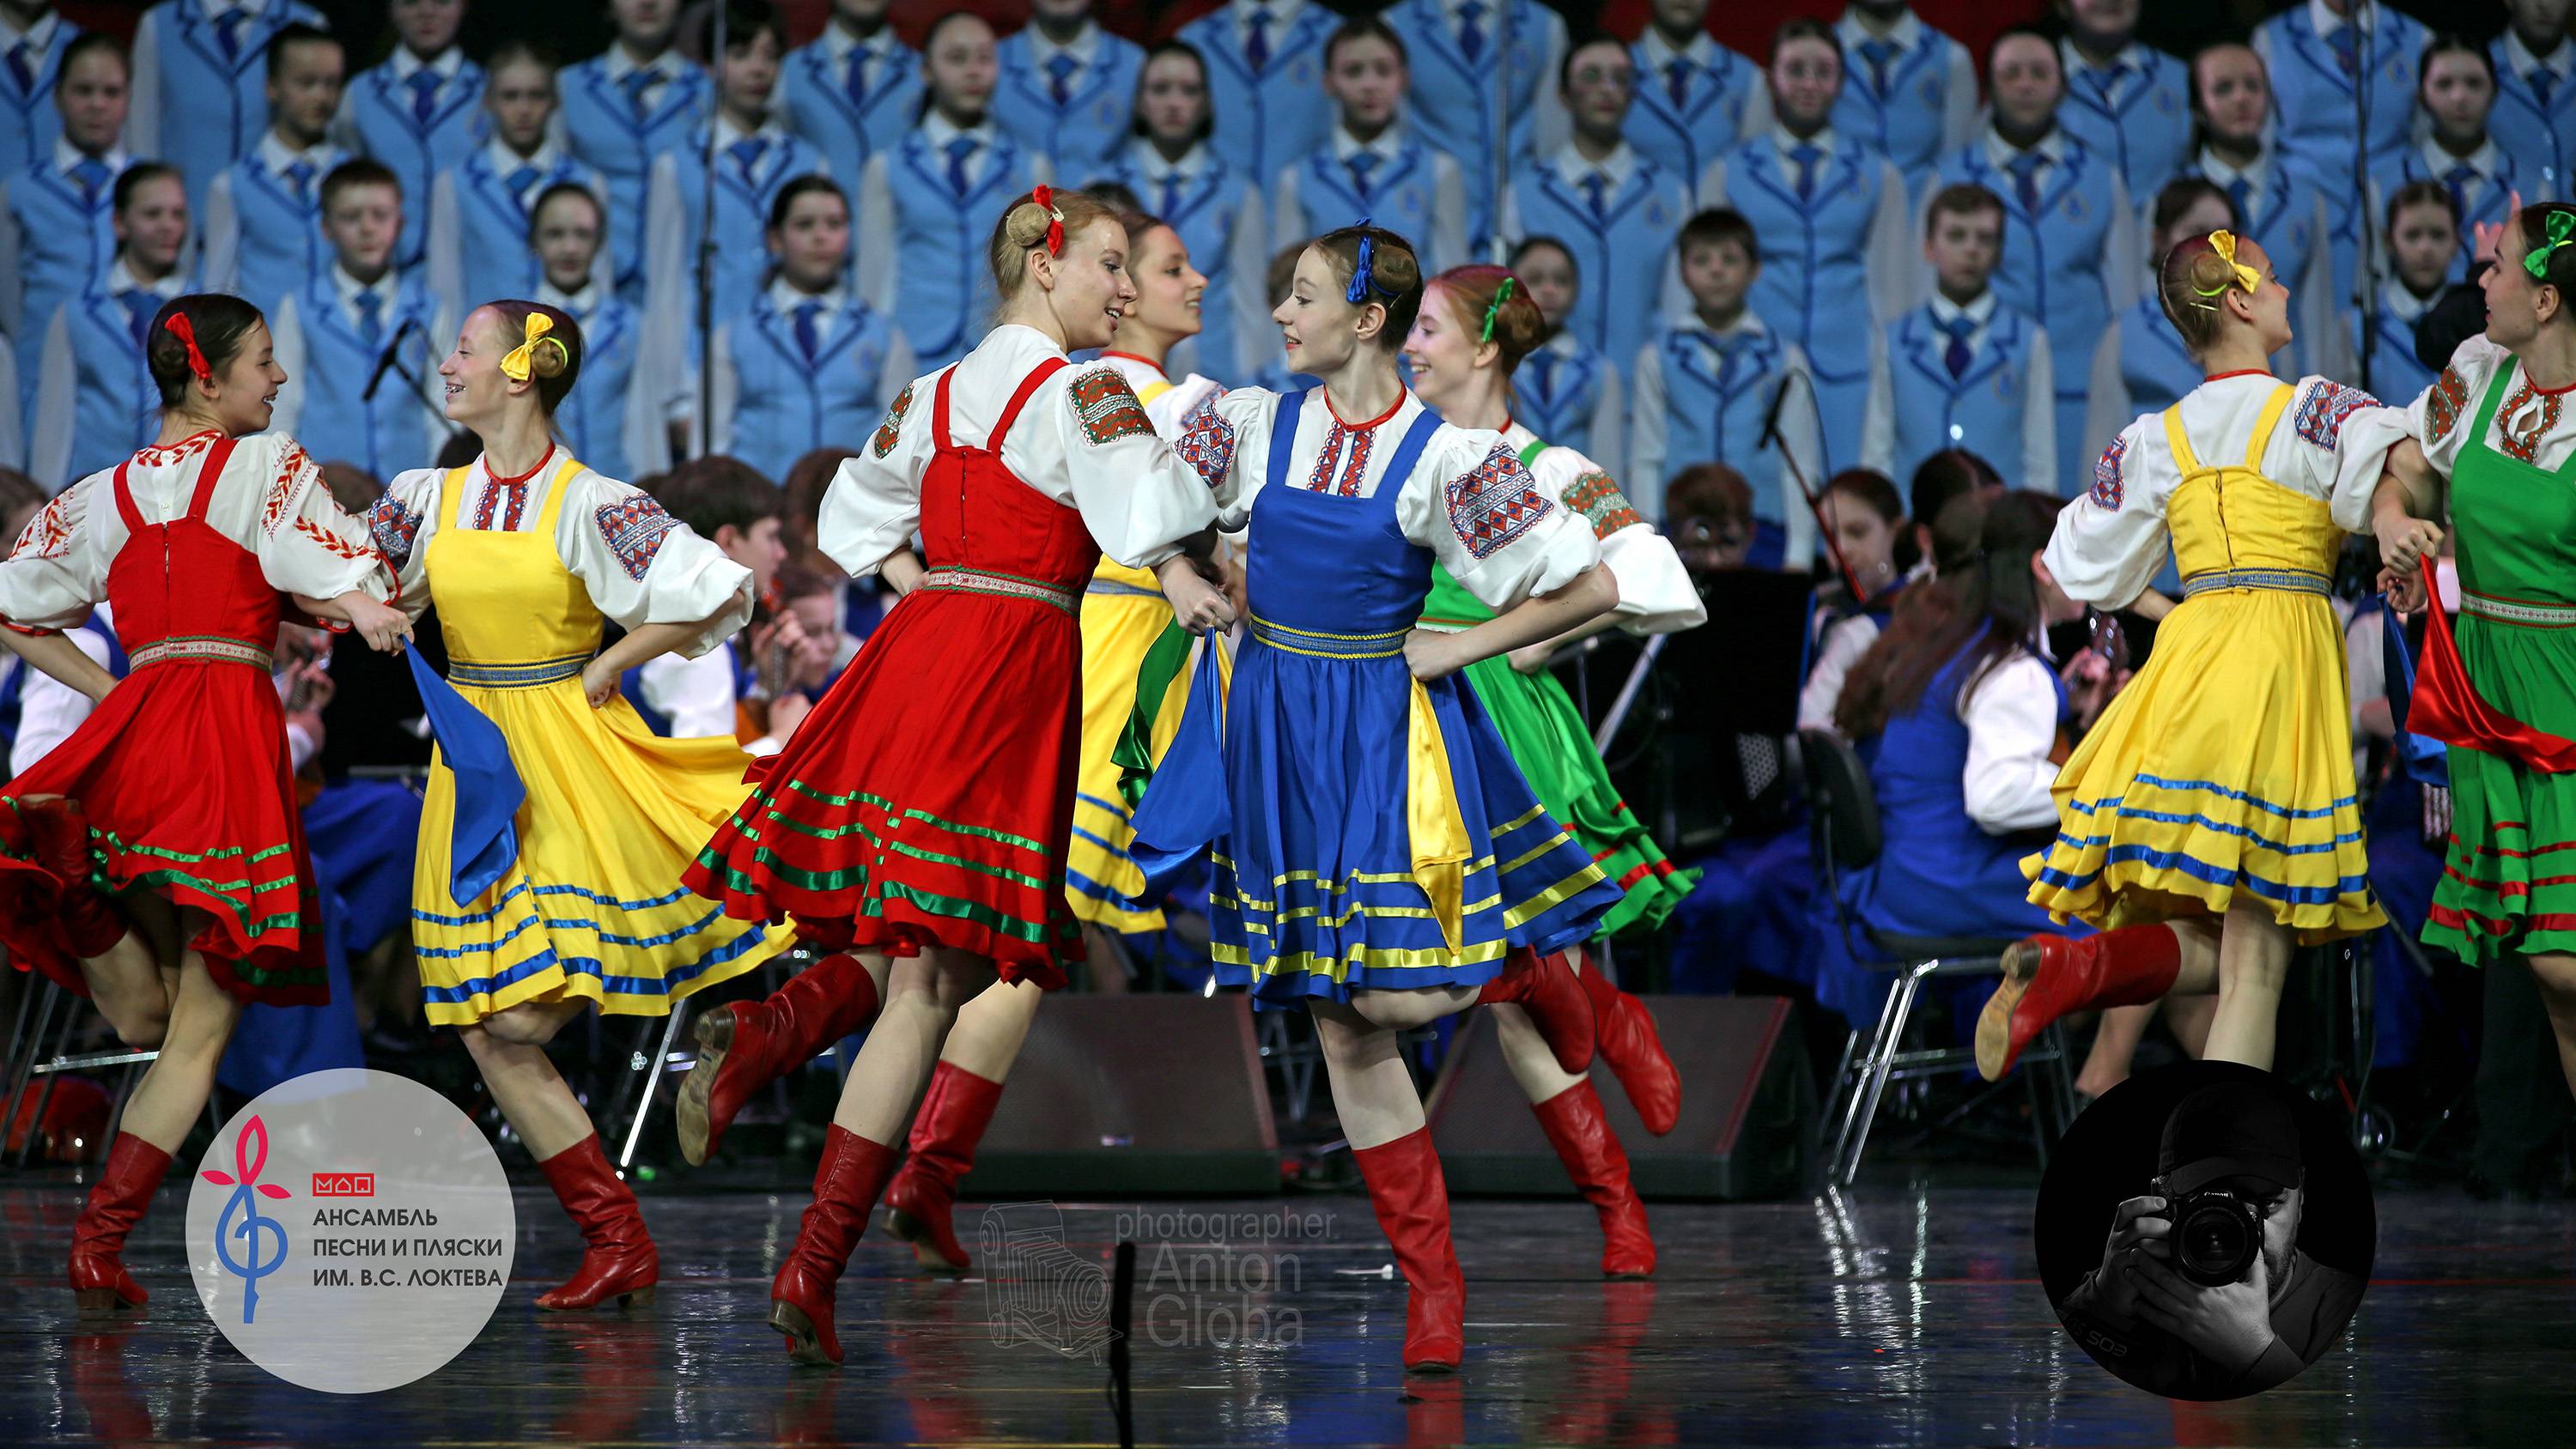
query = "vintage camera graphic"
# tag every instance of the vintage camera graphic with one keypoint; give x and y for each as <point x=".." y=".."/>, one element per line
<point x="1038" y="1289"/>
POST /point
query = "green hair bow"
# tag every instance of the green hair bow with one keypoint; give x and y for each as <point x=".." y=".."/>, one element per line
<point x="2562" y="230"/>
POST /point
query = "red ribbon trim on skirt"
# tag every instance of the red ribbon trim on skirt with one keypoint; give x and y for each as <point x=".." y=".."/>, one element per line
<point x="2446" y="706"/>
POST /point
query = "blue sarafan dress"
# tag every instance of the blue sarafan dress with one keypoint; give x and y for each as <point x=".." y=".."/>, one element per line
<point x="1367" y="830"/>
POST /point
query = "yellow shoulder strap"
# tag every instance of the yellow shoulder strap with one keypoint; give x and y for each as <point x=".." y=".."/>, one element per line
<point x="2263" y="425"/>
<point x="550" y="512"/>
<point x="448" y="493"/>
<point x="2186" y="462"/>
<point x="1153" y="390"/>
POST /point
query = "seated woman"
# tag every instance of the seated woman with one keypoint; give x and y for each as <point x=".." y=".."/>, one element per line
<point x="1863" y="514"/>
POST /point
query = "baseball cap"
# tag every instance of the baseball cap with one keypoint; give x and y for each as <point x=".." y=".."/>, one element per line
<point x="2230" y="1130"/>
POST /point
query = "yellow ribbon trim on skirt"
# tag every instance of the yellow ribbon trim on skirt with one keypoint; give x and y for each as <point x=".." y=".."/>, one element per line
<point x="1437" y="829"/>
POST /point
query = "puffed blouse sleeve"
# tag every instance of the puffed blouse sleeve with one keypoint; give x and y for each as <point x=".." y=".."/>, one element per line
<point x="2344" y="435"/>
<point x="642" y="566"/>
<point x="2446" y="413"/>
<point x="1481" y="513"/>
<point x="307" y="544"/>
<point x="1655" y="593"/>
<point x="873" y="507"/>
<point x="2110" y="542"/>
<point x="1139" y="500"/>
<point x="1226" y="440"/>
<point x="57" y="572"/>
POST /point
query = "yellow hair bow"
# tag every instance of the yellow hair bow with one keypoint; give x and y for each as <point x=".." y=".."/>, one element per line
<point x="515" y="366"/>
<point x="2224" y="243"/>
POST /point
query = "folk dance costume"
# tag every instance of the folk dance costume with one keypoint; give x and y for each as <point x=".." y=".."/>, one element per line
<point x="263" y="230"/>
<point x="421" y="119"/>
<point x="523" y="572"/>
<point x="1072" y="101"/>
<point x="2509" y="451"/>
<point x="477" y="242"/>
<point x="1690" y="102"/>
<point x="2533" y="118"/>
<point x="1568" y="391"/>
<point x="1619" y="217"/>
<point x="179" y="782"/>
<point x="30" y="122"/>
<point x="925" y="210"/>
<point x="2171" y="806"/>
<point x="57" y="232"/>
<point x="850" y="98"/>
<point x="1267" y="58"/>
<point x="797" y="371"/>
<point x="1218" y="212"/>
<point x="2134" y="112"/>
<point x="94" y="398"/>
<point x="618" y="115"/>
<point x="751" y="169"/>
<point x="200" y="82"/>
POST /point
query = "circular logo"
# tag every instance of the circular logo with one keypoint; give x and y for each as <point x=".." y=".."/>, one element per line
<point x="350" y="1231"/>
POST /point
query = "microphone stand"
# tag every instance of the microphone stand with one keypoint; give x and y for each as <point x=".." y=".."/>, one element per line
<point x="392" y="361"/>
<point x="1798" y="475"/>
<point x="2365" y="52"/>
<point x="707" y="251"/>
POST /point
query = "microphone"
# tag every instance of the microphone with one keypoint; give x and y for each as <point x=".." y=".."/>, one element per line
<point x="388" y="359"/>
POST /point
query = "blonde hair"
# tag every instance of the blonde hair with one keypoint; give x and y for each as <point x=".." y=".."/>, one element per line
<point x="2192" y="287"/>
<point x="1022" y="229"/>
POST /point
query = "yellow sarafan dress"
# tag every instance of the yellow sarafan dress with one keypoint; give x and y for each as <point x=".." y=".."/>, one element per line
<point x="593" y="907"/>
<point x="2224" y="769"/>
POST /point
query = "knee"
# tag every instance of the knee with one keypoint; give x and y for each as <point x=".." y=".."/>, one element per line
<point x="2556" y="976"/>
<point x="520" y="1026"/>
<point x="2265" y="972"/>
<point x="142" y="1028"/>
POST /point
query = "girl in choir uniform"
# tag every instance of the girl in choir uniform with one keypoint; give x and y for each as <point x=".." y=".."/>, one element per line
<point x="2423" y="242"/>
<point x="851" y="92"/>
<point x="1565" y="391"/>
<point x="2208" y="822"/>
<point x="29" y="122"/>
<point x="1213" y="207"/>
<point x="57" y="215"/>
<point x="2280" y="204"/>
<point x="2456" y="153"/>
<point x="1340" y="717"/>
<point x="526" y="552"/>
<point x="1468" y="87"/>
<point x="1269" y="57"/>
<point x="919" y="816"/>
<point x="481" y="209"/>
<point x="95" y="400"/>
<point x="923" y="204"/>
<point x="154" y="860"/>
<point x="807" y="363"/>
<point x="1473" y="329"/>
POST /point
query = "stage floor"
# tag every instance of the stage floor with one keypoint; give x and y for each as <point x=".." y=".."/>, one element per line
<point x="1901" y="1313"/>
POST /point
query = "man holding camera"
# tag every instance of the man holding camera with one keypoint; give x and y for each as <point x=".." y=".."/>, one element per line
<point x="2202" y="1292"/>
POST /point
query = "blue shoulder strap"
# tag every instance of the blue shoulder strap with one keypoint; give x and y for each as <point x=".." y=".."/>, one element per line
<point x="1283" y="435"/>
<point x="1409" y="452"/>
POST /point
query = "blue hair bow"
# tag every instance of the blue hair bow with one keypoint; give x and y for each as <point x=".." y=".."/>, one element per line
<point x="1361" y="282"/>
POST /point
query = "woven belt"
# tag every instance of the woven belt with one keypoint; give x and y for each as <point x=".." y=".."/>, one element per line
<point x="1328" y="646"/>
<point x="1117" y="589"/>
<point x="2295" y="581"/>
<point x="528" y="675"/>
<point x="2519" y="612"/>
<point x="1008" y="586"/>
<point x="227" y="651"/>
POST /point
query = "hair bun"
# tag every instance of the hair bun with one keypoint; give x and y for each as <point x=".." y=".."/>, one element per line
<point x="1026" y="225"/>
<point x="549" y="357"/>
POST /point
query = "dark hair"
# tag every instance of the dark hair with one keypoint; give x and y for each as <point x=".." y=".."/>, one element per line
<point x="1960" y="198"/>
<point x="1717" y="225"/>
<point x="719" y="492"/>
<point x="2558" y="269"/>
<point x="1364" y="27"/>
<point x="352" y="487"/>
<point x="1531" y="243"/>
<point x="812" y="183"/>
<point x="1870" y="486"/>
<point x="2023" y="31"/>
<point x="1801" y="27"/>
<point x="1207" y="113"/>
<point x="222" y="323"/>
<point x="744" y="21"/>
<point x="357" y="171"/>
<point x="1138" y="221"/>
<point x="553" y="369"/>
<point x="19" y="494"/>
<point x="89" y="42"/>
<point x="569" y="188"/>
<point x="1983" y="600"/>
<point x="2423" y="193"/>
<point x="1577" y="44"/>
<point x="296" y="34"/>
<point x="460" y="450"/>
<point x="929" y="42"/>
<point x="2183" y="193"/>
<point x="1712" y="491"/>
<point x="796" y="581"/>
<point x="134" y="177"/>
<point x="1116" y="195"/>
<point x="2445" y="44"/>
<point x="1395" y="275"/>
<point x="1518" y="326"/>
<point x="808" y="479"/>
<point x="1948" y="474"/>
<point x="518" y="49"/>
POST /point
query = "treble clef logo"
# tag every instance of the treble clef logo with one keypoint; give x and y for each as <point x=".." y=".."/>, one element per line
<point x="250" y="1154"/>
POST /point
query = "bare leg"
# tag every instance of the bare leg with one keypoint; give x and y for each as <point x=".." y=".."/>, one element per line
<point x="1381" y="1115"/>
<point x="2115" y="1043"/>
<point x="2190" y="1017"/>
<point x="509" y="1048"/>
<point x="2253" y="962"/>
<point x="175" y="1087"/>
<point x="1525" y="1052"/>
<point x="924" y="995"/>
<point x="1373" y="1090"/>
<point x="2556" y="973"/>
<point x="618" y="1257"/>
<point x="1104" y="964"/>
<point x="989" y="1029"/>
<point x="1405" y="1010"/>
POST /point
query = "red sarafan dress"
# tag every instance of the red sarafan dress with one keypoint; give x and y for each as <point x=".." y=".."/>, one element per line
<point x="928" y="798"/>
<point x="183" y="770"/>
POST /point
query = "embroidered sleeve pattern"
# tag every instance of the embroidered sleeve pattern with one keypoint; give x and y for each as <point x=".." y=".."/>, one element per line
<point x="394" y="528"/>
<point x="2450" y="398"/>
<point x="1107" y="406"/>
<point x="2108" y="487"/>
<point x="1493" y="504"/>
<point x="49" y="533"/>
<point x="2323" y="411"/>
<point x="890" y="432"/>
<point x="333" y="543"/>
<point x="1598" y="499"/>
<point x="634" y="529"/>
<point x="1207" y="443"/>
<point x="292" y="465"/>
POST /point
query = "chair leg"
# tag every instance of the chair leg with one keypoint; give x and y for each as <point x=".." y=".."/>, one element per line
<point x="653" y="1074"/>
<point x="1885" y="1058"/>
<point x="1860" y="1075"/>
<point x="45" y="1096"/>
<point x="1833" y="1111"/>
<point x="23" y="1054"/>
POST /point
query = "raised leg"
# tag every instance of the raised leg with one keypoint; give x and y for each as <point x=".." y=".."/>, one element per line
<point x="744" y="1046"/>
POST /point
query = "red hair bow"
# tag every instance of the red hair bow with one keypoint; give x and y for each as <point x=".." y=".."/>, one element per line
<point x="179" y="328"/>
<point x="1044" y="195"/>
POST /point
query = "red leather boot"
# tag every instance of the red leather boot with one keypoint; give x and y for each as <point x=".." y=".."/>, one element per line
<point x="2045" y="977"/>
<point x="1599" y="1166"/>
<point x="1412" y="1202"/>
<point x="125" y="1186"/>
<point x="920" y="1206"/>
<point x="744" y="1046"/>
<point x="853" y="1173"/>
<point x="1629" y="1042"/>
<point x="59" y="835"/>
<point x="620" y="1258"/>
<point x="1543" y="987"/>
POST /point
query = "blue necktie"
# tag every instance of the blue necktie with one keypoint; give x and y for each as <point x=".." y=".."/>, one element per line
<point x="371" y="321"/>
<point x="228" y="29"/>
<point x="140" y="306"/>
<point x="2543" y="80"/>
<point x="518" y="183"/>
<point x="1957" y="355"/>
<point x="856" y="82"/>
<point x="960" y="151"/>
<point x="299" y="177"/>
<point x="809" y="337"/>
<point x="1362" y="163"/>
<point x="636" y="83"/>
<point x="2459" y="179"/>
<point x="1256" y="39"/>
<point x="1171" y="184"/>
<point x="2346" y="46"/>
<point x="2241" y="192"/>
<point x="1060" y="70"/>
<point x="2025" y="175"/>
<point x="1471" y="36"/>
<point x="1806" y="157"/>
<point x="2106" y="82"/>
<point x="93" y="176"/>
<point x="746" y="156"/>
<point x="1677" y="81"/>
<point x="424" y="95"/>
<point x="1593" y="187"/>
<point x="22" y="70"/>
<point x="1878" y="53"/>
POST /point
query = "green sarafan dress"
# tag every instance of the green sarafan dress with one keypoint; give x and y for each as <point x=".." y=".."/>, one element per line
<point x="1538" y="720"/>
<point x="2508" y="887"/>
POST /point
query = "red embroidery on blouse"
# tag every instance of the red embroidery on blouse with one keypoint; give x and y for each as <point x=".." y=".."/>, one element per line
<point x="334" y="543"/>
<point x="163" y="457"/>
<point x="281" y="492"/>
<point x="49" y="533"/>
<point x="2524" y="443"/>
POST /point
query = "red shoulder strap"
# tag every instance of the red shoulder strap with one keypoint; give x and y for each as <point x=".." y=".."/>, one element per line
<point x="939" y="409"/>
<point x="207" y="476"/>
<point x="125" y="508"/>
<point x="1028" y="385"/>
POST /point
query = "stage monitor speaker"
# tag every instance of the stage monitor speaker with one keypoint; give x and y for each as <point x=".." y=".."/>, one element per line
<point x="1748" y="1118"/>
<point x="1133" y="1095"/>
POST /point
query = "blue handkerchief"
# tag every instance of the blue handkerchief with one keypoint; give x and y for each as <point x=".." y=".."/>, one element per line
<point x="488" y="790"/>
